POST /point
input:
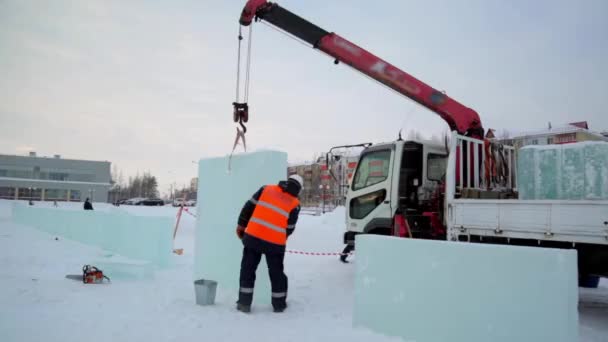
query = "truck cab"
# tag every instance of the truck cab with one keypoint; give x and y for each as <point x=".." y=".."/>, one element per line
<point x="391" y="178"/>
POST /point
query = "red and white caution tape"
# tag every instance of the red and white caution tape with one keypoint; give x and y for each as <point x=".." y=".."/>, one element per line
<point x="297" y="252"/>
<point x="318" y="253"/>
<point x="189" y="213"/>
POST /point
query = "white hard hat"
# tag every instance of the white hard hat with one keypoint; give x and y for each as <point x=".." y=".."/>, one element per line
<point x="298" y="179"/>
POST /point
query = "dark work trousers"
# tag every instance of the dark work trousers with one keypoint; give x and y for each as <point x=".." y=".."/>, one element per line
<point x="346" y="251"/>
<point x="278" y="279"/>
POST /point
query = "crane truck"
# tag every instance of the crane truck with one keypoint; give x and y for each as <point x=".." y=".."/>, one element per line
<point x="462" y="190"/>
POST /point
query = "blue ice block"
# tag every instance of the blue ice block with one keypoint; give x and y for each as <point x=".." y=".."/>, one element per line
<point x="526" y="173"/>
<point x="573" y="173"/>
<point x="139" y="237"/>
<point x="221" y="195"/>
<point x="437" y="291"/>
<point x="549" y="173"/>
<point x="564" y="172"/>
<point x="596" y="170"/>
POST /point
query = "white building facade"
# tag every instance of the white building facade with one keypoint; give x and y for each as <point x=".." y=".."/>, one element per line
<point x="53" y="178"/>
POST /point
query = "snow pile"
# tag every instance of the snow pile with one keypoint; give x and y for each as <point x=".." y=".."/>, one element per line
<point x="336" y="218"/>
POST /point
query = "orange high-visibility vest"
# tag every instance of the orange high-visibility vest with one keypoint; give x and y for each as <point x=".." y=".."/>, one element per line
<point x="269" y="219"/>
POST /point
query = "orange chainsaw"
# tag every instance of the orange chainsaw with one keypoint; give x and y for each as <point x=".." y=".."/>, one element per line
<point x="90" y="275"/>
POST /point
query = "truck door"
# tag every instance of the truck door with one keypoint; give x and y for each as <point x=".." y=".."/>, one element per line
<point x="369" y="205"/>
<point x="410" y="176"/>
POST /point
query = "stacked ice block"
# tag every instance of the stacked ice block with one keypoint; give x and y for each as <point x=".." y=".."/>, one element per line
<point x="576" y="171"/>
<point x="437" y="291"/>
<point x="222" y="194"/>
<point x="144" y="238"/>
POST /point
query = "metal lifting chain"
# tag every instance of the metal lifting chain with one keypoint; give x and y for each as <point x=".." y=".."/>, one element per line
<point x="238" y="64"/>
<point x="248" y="71"/>
<point x="241" y="109"/>
<point x="241" y="112"/>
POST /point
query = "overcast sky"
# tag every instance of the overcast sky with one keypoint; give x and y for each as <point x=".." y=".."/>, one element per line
<point x="148" y="85"/>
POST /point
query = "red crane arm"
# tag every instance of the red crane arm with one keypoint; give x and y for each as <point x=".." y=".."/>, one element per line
<point x="460" y="118"/>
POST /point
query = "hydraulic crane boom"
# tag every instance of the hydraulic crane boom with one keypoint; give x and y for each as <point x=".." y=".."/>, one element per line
<point x="460" y="118"/>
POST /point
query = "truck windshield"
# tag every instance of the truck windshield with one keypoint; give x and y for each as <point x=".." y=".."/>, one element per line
<point x="373" y="169"/>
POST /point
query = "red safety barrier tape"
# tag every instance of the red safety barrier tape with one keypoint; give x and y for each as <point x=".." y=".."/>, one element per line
<point x="191" y="214"/>
<point x="318" y="253"/>
<point x="298" y="252"/>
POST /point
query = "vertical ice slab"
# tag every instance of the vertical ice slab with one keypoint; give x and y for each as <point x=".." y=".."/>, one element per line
<point x="596" y="170"/>
<point x="526" y="173"/>
<point x="564" y="172"/>
<point x="437" y="291"/>
<point x="573" y="172"/>
<point x="548" y="178"/>
<point x="221" y="195"/>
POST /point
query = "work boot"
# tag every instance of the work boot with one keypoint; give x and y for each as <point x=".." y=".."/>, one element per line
<point x="243" y="308"/>
<point x="343" y="258"/>
<point x="279" y="309"/>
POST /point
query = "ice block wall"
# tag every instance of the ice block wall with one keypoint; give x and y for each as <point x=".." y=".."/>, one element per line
<point x="576" y="171"/>
<point x="139" y="237"/>
<point x="437" y="291"/>
<point x="221" y="195"/>
<point x="596" y="170"/>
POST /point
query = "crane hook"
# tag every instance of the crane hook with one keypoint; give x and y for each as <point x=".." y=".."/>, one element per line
<point x="241" y="114"/>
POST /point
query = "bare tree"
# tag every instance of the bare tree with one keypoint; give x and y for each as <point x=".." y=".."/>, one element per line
<point x="114" y="173"/>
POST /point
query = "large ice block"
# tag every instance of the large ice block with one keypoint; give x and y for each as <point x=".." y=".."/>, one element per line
<point x="596" y="170"/>
<point x="573" y="172"/>
<point x="146" y="238"/>
<point x="221" y="195"/>
<point x="526" y="173"/>
<point x="564" y="172"/>
<point x="548" y="173"/>
<point x="437" y="291"/>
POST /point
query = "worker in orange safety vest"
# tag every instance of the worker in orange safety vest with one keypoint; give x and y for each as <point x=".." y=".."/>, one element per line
<point x="265" y="223"/>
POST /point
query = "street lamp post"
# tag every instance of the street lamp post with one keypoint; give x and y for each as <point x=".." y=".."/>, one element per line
<point x="323" y="189"/>
<point x="324" y="196"/>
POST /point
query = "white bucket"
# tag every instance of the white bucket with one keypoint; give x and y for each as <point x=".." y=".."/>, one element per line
<point x="205" y="291"/>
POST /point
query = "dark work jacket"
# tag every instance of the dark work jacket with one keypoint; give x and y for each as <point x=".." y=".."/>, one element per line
<point x="88" y="205"/>
<point x="258" y="244"/>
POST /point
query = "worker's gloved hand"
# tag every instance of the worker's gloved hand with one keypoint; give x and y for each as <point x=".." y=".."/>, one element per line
<point x="240" y="231"/>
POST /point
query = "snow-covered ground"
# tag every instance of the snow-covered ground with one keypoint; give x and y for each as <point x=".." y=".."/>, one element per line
<point x="37" y="303"/>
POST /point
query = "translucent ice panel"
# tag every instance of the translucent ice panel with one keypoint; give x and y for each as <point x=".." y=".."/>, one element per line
<point x="221" y="195"/>
<point x="573" y="172"/>
<point x="596" y="170"/>
<point x="565" y="172"/>
<point x="437" y="291"/>
<point x="139" y="237"/>
<point x="526" y="173"/>
<point x="548" y="173"/>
